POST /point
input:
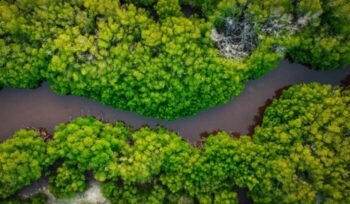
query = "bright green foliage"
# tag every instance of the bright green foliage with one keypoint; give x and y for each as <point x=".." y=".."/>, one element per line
<point x="299" y="154"/>
<point x="21" y="57"/>
<point x="20" y="64"/>
<point x="182" y="171"/>
<point x="262" y="59"/>
<point x="84" y="145"/>
<point x="170" y="70"/>
<point x="177" y="160"/>
<point x="224" y="164"/>
<point x="307" y="130"/>
<point x="152" y="154"/>
<point x="206" y="6"/>
<point x="26" y="30"/>
<point x="166" y="68"/>
<point x="166" y="8"/>
<point x="149" y="151"/>
<point x="134" y="194"/>
<point x="222" y="196"/>
<point x="225" y="197"/>
<point x="68" y="181"/>
<point x="142" y="2"/>
<point x="21" y="161"/>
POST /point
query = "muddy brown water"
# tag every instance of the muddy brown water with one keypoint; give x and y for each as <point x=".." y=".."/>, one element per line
<point x="41" y="107"/>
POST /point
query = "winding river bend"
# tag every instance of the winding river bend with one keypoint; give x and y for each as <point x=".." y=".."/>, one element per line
<point x="41" y="107"/>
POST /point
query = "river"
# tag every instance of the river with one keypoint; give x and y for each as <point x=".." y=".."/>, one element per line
<point x="41" y="107"/>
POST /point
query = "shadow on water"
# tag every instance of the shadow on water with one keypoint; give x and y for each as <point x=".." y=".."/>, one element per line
<point x="346" y="81"/>
<point x="22" y="108"/>
<point x="258" y="118"/>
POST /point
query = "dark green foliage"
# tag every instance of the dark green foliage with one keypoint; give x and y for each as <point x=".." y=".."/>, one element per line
<point x="39" y="198"/>
<point x="206" y="6"/>
<point x="313" y="32"/>
<point x="336" y="15"/>
<point x="320" y="51"/>
<point x="325" y="45"/>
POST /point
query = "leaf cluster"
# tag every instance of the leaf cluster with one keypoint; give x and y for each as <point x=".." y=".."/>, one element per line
<point x="22" y="161"/>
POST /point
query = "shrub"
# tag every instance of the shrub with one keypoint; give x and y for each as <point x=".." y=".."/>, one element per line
<point x="85" y="144"/>
<point x="68" y="181"/>
<point x="168" y="8"/>
<point x="134" y="194"/>
<point x="307" y="131"/>
<point x="320" y="51"/>
<point x="22" y="161"/>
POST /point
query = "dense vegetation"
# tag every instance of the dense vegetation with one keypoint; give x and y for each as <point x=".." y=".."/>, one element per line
<point x="308" y="133"/>
<point x="22" y="160"/>
<point x="39" y="198"/>
<point x="121" y="55"/>
<point x="300" y="153"/>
